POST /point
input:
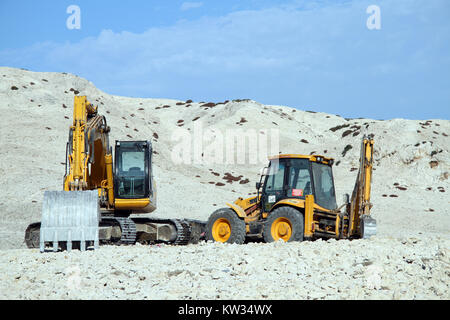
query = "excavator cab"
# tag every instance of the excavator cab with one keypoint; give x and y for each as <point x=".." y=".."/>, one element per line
<point x="134" y="187"/>
<point x="132" y="169"/>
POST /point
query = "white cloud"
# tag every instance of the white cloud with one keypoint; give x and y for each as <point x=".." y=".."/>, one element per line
<point x="190" y="5"/>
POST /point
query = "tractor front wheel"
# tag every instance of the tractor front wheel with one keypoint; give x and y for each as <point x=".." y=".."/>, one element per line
<point x="224" y="225"/>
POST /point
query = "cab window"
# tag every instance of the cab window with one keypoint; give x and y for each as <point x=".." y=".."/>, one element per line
<point x="275" y="178"/>
<point x="299" y="179"/>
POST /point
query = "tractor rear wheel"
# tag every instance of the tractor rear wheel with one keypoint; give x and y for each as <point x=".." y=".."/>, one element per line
<point x="284" y="223"/>
<point x="224" y="225"/>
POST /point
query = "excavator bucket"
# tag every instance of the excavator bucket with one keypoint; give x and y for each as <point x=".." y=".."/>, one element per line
<point x="69" y="216"/>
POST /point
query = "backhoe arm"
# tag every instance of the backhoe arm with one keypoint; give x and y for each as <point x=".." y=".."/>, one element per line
<point x="361" y="224"/>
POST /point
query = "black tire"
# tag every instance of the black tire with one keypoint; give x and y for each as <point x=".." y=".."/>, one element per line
<point x="236" y="226"/>
<point x="292" y="216"/>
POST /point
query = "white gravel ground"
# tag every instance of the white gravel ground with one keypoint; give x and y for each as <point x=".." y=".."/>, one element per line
<point x="379" y="268"/>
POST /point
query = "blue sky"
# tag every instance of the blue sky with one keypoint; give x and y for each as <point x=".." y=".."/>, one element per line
<point x="312" y="55"/>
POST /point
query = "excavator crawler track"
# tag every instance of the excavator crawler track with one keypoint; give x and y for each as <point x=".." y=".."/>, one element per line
<point x="32" y="235"/>
<point x="183" y="232"/>
<point x="128" y="228"/>
<point x="187" y="231"/>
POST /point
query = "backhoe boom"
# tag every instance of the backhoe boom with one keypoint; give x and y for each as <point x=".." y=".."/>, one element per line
<point x="361" y="224"/>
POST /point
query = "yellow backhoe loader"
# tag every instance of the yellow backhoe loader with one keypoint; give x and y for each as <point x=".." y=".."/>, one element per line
<point x="296" y="200"/>
<point x="100" y="195"/>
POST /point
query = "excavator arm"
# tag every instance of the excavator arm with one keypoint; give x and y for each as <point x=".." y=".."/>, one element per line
<point x="361" y="225"/>
<point x="88" y="145"/>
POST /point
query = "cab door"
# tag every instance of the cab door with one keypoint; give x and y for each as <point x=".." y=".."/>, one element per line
<point x="274" y="189"/>
<point x="298" y="178"/>
<point x="132" y="170"/>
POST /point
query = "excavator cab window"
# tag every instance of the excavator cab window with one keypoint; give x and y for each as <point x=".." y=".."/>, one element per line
<point x="132" y="168"/>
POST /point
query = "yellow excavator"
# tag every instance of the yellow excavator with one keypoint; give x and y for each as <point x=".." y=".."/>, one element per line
<point x="100" y="195"/>
<point x="296" y="200"/>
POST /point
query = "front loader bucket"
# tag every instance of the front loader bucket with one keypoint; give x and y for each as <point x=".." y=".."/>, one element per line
<point x="69" y="216"/>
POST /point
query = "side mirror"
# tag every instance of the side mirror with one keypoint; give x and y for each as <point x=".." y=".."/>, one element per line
<point x="346" y="198"/>
<point x="258" y="185"/>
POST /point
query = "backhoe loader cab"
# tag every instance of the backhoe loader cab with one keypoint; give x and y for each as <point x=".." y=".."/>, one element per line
<point x="296" y="176"/>
<point x="296" y="199"/>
